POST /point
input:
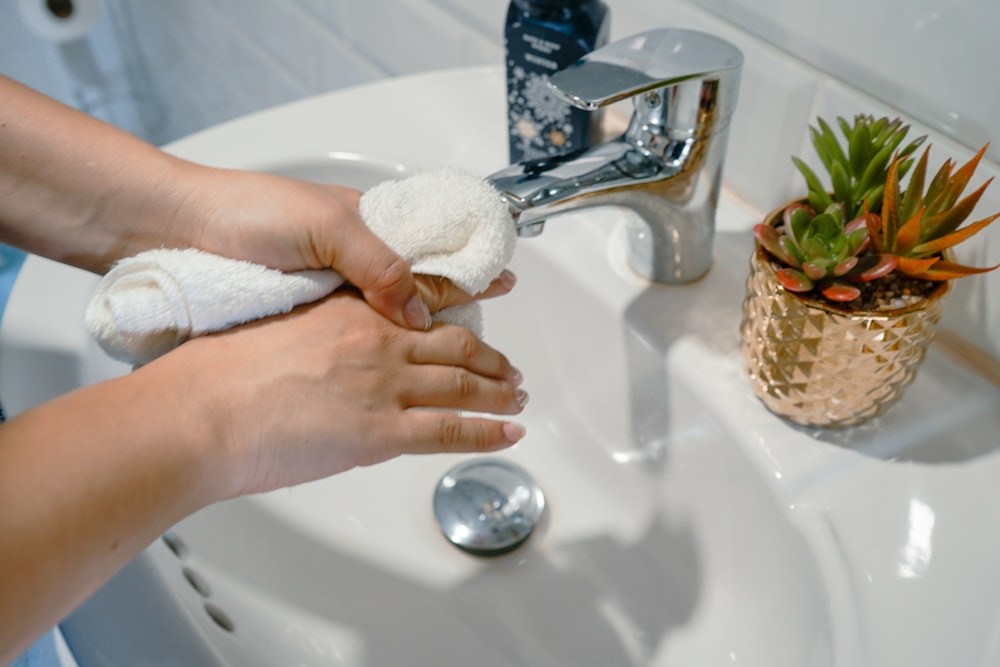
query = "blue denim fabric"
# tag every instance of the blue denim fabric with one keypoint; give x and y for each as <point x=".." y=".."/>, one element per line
<point x="41" y="654"/>
<point x="11" y="260"/>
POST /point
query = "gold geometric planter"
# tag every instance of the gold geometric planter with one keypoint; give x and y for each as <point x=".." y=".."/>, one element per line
<point x="818" y="365"/>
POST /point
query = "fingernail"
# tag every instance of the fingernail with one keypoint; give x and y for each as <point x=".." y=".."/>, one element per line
<point x="521" y="396"/>
<point x="513" y="432"/>
<point x="416" y="314"/>
<point x="508" y="279"/>
<point x="516" y="378"/>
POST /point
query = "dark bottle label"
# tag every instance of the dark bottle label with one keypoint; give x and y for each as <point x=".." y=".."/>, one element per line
<point x="540" y="123"/>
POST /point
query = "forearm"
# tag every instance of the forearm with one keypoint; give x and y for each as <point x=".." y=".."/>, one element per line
<point x="80" y="191"/>
<point x="86" y="482"/>
<point x="89" y="479"/>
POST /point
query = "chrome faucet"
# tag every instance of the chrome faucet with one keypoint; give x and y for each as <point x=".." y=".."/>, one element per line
<point x="667" y="165"/>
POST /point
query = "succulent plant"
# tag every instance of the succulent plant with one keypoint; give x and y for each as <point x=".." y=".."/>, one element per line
<point x="821" y="252"/>
<point x="858" y="169"/>
<point x="869" y="227"/>
<point x="917" y="225"/>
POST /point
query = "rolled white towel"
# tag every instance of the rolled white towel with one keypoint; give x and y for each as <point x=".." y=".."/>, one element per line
<point x="149" y="304"/>
<point x="447" y="222"/>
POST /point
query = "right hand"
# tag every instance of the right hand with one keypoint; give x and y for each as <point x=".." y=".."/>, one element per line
<point x="335" y="385"/>
<point x="440" y="293"/>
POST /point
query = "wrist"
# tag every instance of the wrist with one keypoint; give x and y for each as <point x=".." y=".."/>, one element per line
<point x="77" y="190"/>
<point x="150" y="210"/>
<point x="192" y="410"/>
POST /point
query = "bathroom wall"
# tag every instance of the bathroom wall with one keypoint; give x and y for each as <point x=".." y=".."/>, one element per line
<point x="29" y="59"/>
<point x="216" y="60"/>
<point x="926" y="56"/>
<point x="188" y="64"/>
<point x="92" y="73"/>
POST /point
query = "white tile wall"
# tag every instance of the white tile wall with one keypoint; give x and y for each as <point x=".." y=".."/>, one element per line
<point x="435" y="36"/>
<point x="211" y="61"/>
<point x="204" y="61"/>
<point x="929" y="57"/>
<point x="86" y="73"/>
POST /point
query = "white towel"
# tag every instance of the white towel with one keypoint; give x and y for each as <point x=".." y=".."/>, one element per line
<point x="446" y="222"/>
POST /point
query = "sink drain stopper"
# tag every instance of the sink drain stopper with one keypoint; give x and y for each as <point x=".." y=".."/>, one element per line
<point x="488" y="507"/>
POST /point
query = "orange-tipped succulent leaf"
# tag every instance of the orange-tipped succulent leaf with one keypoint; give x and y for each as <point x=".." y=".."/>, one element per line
<point x="945" y="270"/>
<point x="954" y="238"/>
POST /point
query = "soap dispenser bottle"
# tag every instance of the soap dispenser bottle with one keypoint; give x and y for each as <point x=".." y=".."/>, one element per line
<point x="542" y="37"/>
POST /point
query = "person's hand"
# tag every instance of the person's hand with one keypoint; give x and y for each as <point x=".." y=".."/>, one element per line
<point x="334" y="385"/>
<point x="440" y="293"/>
<point x="290" y="225"/>
<point x="133" y="197"/>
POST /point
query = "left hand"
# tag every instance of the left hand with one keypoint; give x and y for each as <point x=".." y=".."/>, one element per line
<point x="291" y="225"/>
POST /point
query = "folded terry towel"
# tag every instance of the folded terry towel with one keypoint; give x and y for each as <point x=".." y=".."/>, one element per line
<point x="447" y="222"/>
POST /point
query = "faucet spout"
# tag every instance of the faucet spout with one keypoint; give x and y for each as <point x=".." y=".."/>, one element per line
<point x="666" y="167"/>
<point x="540" y="189"/>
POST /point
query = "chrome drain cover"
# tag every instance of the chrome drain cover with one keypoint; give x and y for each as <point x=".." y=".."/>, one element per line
<point x="488" y="507"/>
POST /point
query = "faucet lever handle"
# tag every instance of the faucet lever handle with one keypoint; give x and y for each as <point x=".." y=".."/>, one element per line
<point x="643" y="62"/>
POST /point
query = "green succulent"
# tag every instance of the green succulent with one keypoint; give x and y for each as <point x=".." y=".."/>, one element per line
<point x="820" y="252"/>
<point x="858" y="168"/>
<point x="869" y="226"/>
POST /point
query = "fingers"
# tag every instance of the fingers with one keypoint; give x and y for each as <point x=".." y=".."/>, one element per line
<point x="384" y="278"/>
<point x="454" y="369"/>
<point x="382" y="275"/>
<point x="448" y="345"/>
<point x="502" y="285"/>
<point x="437" y="432"/>
<point x="456" y="388"/>
<point x="389" y="287"/>
<point x="440" y="293"/>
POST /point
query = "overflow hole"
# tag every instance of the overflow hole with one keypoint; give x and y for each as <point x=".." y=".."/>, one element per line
<point x="197" y="582"/>
<point x="175" y="544"/>
<point x="220" y="617"/>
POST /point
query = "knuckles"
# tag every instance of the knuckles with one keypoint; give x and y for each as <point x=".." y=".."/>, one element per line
<point x="466" y="388"/>
<point x="449" y="434"/>
<point x="456" y="434"/>
<point x="467" y="344"/>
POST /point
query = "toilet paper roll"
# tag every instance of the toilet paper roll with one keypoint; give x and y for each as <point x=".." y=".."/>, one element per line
<point x="62" y="21"/>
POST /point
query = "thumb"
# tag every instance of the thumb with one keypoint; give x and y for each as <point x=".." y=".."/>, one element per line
<point x="389" y="287"/>
<point x="383" y="277"/>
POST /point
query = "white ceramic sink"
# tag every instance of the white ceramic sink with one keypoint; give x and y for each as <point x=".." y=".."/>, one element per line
<point x="685" y="524"/>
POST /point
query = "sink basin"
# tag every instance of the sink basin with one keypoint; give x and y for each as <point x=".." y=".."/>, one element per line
<point x="662" y="542"/>
<point x="684" y="524"/>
